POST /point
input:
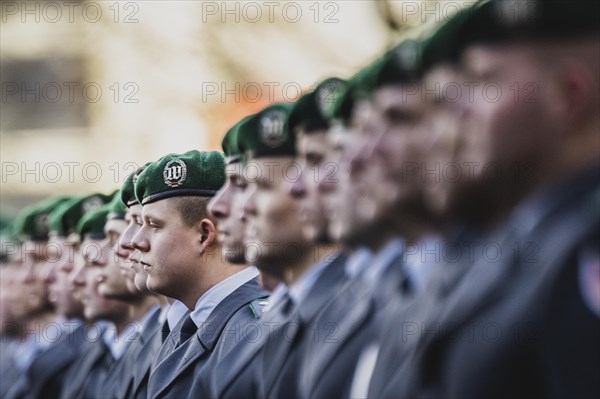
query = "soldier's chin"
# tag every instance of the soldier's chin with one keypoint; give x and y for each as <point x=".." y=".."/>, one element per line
<point x="335" y="230"/>
<point x="92" y="314"/>
<point x="317" y="234"/>
<point x="156" y="286"/>
<point x="35" y="302"/>
<point x="53" y="297"/>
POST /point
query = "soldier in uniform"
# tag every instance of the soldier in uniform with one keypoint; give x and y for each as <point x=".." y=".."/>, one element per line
<point x="135" y="386"/>
<point x="520" y="323"/>
<point x="110" y="317"/>
<point x="181" y="253"/>
<point x="226" y="206"/>
<point x="143" y="308"/>
<point x="276" y="243"/>
<point x="47" y="373"/>
<point x="234" y="374"/>
<point x="31" y="308"/>
<point x="9" y="291"/>
<point x="386" y="142"/>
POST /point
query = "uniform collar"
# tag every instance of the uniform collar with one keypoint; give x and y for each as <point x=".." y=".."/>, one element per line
<point x="118" y="344"/>
<point x="148" y="317"/>
<point x="358" y="262"/>
<point x="211" y="298"/>
<point x="175" y="312"/>
<point x="421" y="262"/>
<point x="543" y="202"/>
<point x="300" y="288"/>
<point x="56" y="331"/>
<point x="278" y="293"/>
<point x="26" y="352"/>
<point x="383" y="259"/>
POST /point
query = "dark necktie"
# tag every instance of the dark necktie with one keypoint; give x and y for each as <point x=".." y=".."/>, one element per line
<point x="188" y="329"/>
<point x="165" y="331"/>
<point x="286" y="305"/>
<point x="405" y="284"/>
<point x="97" y="375"/>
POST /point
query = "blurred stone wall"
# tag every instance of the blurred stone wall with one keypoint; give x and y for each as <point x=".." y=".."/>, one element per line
<point x="91" y="89"/>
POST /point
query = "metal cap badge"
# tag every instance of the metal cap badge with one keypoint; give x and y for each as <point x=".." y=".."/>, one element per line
<point x="272" y="128"/>
<point x="91" y="204"/>
<point x="328" y="94"/>
<point x="175" y="173"/>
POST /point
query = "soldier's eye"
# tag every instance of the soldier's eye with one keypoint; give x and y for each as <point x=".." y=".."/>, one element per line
<point x="237" y="181"/>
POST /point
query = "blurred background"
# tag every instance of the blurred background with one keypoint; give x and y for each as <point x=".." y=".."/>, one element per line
<point x="92" y="89"/>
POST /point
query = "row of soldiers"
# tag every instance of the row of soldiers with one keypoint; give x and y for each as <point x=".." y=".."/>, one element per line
<point x="427" y="228"/>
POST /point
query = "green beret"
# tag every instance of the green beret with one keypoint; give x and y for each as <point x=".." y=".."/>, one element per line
<point x="497" y="21"/>
<point x="312" y="110"/>
<point x="117" y="207"/>
<point x="128" y="189"/>
<point x="6" y="236"/>
<point x="32" y="222"/>
<point x="357" y="87"/>
<point x="402" y="64"/>
<point x="91" y="225"/>
<point x="230" y="143"/>
<point x="6" y="224"/>
<point x="194" y="173"/>
<point x="63" y="220"/>
<point x="445" y="43"/>
<point x="266" y="133"/>
<point x="546" y="19"/>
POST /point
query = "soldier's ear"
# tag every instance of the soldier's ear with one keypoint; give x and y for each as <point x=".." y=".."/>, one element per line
<point x="208" y="233"/>
<point x="577" y="91"/>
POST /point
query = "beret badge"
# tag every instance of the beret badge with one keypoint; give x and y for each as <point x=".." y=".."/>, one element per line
<point x="91" y="204"/>
<point x="272" y="128"/>
<point x="175" y="173"/>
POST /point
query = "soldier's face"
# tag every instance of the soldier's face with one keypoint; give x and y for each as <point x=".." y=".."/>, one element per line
<point x="443" y="123"/>
<point x="503" y="132"/>
<point x="113" y="283"/>
<point x="312" y="150"/>
<point x="8" y="294"/>
<point x="170" y="250"/>
<point x="138" y="278"/>
<point x="34" y="294"/>
<point x="86" y="277"/>
<point x="76" y="273"/>
<point x="96" y="305"/>
<point x="274" y="233"/>
<point x="60" y="292"/>
<point x="389" y="157"/>
<point x="226" y="206"/>
<point x="125" y="264"/>
<point x="347" y="200"/>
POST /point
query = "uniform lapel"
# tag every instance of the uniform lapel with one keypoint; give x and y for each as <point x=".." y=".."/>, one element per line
<point x="345" y="319"/>
<point x="94" y="370"/>
<point x="136" y="366"/>
<point x="235" y="362"/>
<point x="207" y="336"/>
<point x="168" y="346"/>
<point x="173" y="366"/>
<point x="303" y="315"/>
<point x="55" y="359"/>
<point x="486" y="282"/>
<point x="144" y="362"/>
